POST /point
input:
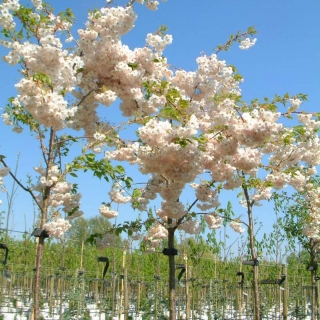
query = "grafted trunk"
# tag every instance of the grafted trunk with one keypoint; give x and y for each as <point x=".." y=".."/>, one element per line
<point x="313" y="282"/>
<point x="172" y="277"/>
<point x="37" y="284"/>
<point x="40" y="246"/>
<point x="254" y="257"/>
<point x="256" y="293"/>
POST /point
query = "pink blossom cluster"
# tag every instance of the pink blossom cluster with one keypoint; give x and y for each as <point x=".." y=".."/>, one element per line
<point x="213" y="221"/>
<point x="57" y="228"/>
<point x="6" y="18"/>
<point x="311" y="228"/>
<point x="107" y="212"/>
<point x="118" y="196"/>
<point x="152" y="5"/>
<point x="52" y="177"/>
<point x="295" y="104"/>
<point x="191" y="226"/>
<point x="262" y="193"/>
<point x="174" y="209"/>
<point x="3" y="172"/>
<point x="237" y="226"/>
<point x="49" y="70"/>
<point x="155" y="235"/>
<point x="157" y="42"/>
<point x="207" y="196"/>
<point x="37" y="4"/>
<point x="61" y="194"/>
<point x="107" y="61"/>
<point x="247" y="43"/>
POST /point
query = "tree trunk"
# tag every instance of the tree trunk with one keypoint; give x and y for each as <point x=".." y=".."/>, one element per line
<point x="40" y="246"/>
<point x="254" y="257"/>
<point x="37" y="285"/>
<point x="172" y="276"/>
<point x="313" y="265"/>
<point x="285" y="294"/>
<point x="256" y="293"/>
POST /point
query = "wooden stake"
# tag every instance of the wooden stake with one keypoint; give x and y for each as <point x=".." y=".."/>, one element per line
<point x="187" y="275"/>
<point x="81" y="256"/>
<point x="51" y="298"/>
<point x="122" y="284"/>
<point x="114" y="283"/>
<point x="156" y="299"/>
<point x="285" y="293"/>
<point x="138" y="300"/>
<point x="96" y="287"/>
<point x="126" y="297"/>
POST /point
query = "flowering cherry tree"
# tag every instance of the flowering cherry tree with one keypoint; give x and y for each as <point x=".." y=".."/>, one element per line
<point x="300" y="223"/>
<point x="49" y="76"/>
<point x="194" y="129"/>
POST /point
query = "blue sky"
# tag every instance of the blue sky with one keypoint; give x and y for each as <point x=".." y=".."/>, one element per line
<point x="284" y="59"/>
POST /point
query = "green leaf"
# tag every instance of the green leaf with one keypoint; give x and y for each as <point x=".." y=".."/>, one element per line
<point x="119" y="169"/>
<point x="136" y="193"/>
<point x="237" y="77"/>
<point x="43" y="78"/>
<point x="170" y="113"/>
<point x="251" y="30"/>
<point x="133" y="65"/>
<point x="20" y="34"/>
<point x="162" y="30"/>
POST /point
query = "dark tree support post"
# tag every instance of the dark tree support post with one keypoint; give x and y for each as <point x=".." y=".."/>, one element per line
<point x="171" y="252"/>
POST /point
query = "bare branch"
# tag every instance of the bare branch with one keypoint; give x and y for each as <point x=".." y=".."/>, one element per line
<point x="21" y="185"/>
<point x="130" y="3"/>
<point x="85" y="97"/>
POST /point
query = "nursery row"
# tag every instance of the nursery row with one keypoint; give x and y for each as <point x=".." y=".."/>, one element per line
<point x="120" y="280"/>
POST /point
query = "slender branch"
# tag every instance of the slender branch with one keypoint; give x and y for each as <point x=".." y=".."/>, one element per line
<point x="239" y="113"/>
<point x="195" y="201"/>
<point x="281" y="161"/>
<point x="43" y="148"/>
<point x="130" y="3"/>
<point x="192" y="204"/>
<point x="226" y="218"/>
<point x="85" y="96"/>
<point x="246" y="193"/>
<point x="293" y="112"/>
<point x="229" y="42"/>
<point x="179" y="221"/>
<point x="76" y="138"/>
<point x="83" y="137"/>
<point x="229" y="248"/>
<point x="20" y="184"/>
<point x="12" y="195"/>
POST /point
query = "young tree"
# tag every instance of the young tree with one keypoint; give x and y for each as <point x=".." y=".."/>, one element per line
<point x="49" y="75"/>
<point x="192" y="127"/>
<point x="301" y="229"/>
